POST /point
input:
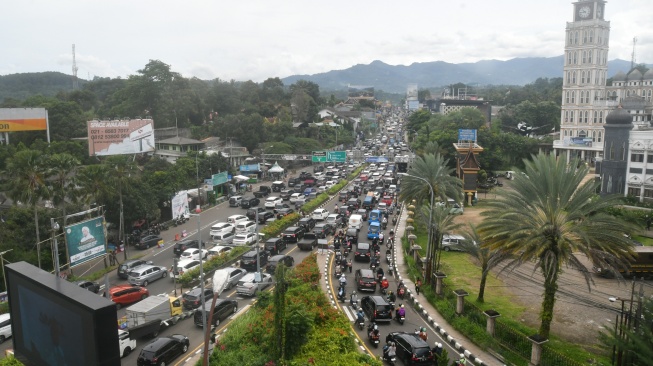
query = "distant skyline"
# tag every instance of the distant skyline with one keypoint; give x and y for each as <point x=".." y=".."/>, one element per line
<point x="255" y="40"/>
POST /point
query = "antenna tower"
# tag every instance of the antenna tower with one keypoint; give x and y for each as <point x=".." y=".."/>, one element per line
<point x="632" y="58"/>
<point x="75" y="68"/>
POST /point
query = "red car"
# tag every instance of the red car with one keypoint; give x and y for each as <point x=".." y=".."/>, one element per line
<point x="387" y="200"/>
<point x="127" y="294"/>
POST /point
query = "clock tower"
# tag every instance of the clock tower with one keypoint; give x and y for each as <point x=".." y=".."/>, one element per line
<point x="584" y="102"/>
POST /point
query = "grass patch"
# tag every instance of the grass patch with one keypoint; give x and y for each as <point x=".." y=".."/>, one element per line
<point x="644" y="240"/>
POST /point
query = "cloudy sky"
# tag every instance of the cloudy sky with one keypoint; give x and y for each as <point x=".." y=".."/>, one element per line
<point x="257" y="39"/>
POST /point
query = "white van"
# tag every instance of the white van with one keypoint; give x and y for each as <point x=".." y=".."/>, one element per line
<point x="355" y="222"/>
<point x="245" y="227"/>
<point x="224" y="238"/>
<point x="235" y="219"/>
<point x="221" y="228"/>
<point x="5" y="327"/>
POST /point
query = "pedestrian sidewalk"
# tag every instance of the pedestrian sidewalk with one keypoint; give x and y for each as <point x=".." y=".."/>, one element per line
<point x="444" y="330"/>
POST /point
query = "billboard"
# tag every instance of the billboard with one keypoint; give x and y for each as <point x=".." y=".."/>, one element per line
<point x="220" y="178"/>
<point x="120" y="137"/>
<point x="250" y="168"/>
<point x="85" y="240"/>
<point x="466" y="135"/>
<point x="411" y="92"/>
<point x="23" y="119"/>
<point x="180" y="205"/>
<point x="56" y="322"/>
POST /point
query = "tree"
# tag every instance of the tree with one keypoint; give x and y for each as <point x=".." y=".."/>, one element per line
<point x="26" y="176"/>
<point x="63" y="168"/>
<point x="433" y="168"/>
<point x="487" y="259"/>
<point x="547" y="217"/>
<point x="442" y="222"/>
<point x="635" y="342"/>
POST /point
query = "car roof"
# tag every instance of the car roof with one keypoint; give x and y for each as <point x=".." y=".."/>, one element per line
<point x="184" y="262"/>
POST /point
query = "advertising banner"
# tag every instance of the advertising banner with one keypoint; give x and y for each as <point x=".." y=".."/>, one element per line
<point x="180" y="205"/>
<point x="120" y="137"/>
<point x="220" y="178"/>
<point x="23" y="119"/>
<point x="250" y="168"/>
<point x="85" y="240"/>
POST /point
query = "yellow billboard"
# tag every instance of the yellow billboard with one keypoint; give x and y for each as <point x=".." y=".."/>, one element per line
<point x="23" y="119"/>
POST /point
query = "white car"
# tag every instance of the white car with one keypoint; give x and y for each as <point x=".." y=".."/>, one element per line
<point x="219" y="250"/>
<point x="453" y="242"/>
<point x="295" y="196"/>
<point x="235" y="219"/>
<point x="330" y="184"/>
<point x="320" y="214"/>
<point x="244" y="239"/>
<point x="321" y="189"/>
<point x="183" y="266"/>
<point x="221" y="228"/>
<point x="249" y="287"/>
<point x="272" y="201"/>
<point x="193" y="253"/>
<point x="126" y="343"/>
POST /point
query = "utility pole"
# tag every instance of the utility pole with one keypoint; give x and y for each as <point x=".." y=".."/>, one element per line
<point x="2" y="263"/>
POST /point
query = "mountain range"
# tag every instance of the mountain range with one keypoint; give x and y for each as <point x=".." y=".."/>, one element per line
<point x="395" y="78"/>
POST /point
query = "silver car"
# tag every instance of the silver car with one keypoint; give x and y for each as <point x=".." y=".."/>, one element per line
<point x="142" y="275"/>
<point x="248" y="286"/>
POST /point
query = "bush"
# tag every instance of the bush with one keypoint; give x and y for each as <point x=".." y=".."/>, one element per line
<point x="278" y="226"/>
<point x="312" y="205"/>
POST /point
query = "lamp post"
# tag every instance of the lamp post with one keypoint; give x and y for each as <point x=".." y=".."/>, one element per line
<point x="429" y="248"/>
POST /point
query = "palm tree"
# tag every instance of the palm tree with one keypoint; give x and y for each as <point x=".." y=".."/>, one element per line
<point x="546" y="217"/>
<point x="433" y="168"/>
<point x="26" y="176"/>
<point x="94" y="184"/>
<point x="63" y="168"/>
<point x="443" y="223"/>
<point x="486" y="258"/>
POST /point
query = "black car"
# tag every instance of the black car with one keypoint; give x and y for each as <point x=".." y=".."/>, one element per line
<point x="193" y="299"/>
<point x="323" y="230"/>
<point x="90" y="285"/>
<point x="223" y="309"/>
<point x="148" y="241"/>
<point x="362" y="253"/>
<point x="377" y="308"/>
<point x="293" y="234"/>
<point x="264" y="216"/>
<point x="293" y="182"/>
<point x="248" y="202"/>
<point x="275" y="245"/>
<point x="251" y="213"/>
<point x="283" y="212"/>
<point x="285" y="194"/>
<point x="263" y="191"/>
<point x="186" y="244"/>
<point x="163" y="350"/>
<point x="365" y="280"/>
<point x="363" y="213"/>
<point x="248" y="260"/>
<point x="412" y="349"/>
<point x="308" y="223"/>
<point x="352" y="236"/>
<point x="274" y="261"/>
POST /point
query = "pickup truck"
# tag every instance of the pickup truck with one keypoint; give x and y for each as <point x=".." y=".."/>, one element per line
<point x="150" y="315"/>
<point x="263" y="191"/>
<point x="308" y="242"/>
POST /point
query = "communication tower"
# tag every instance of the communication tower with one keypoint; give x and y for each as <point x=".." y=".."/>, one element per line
<point x="75" y="68"/>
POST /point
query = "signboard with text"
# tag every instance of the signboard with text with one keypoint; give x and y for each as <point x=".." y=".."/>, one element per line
<point x="466" y="135"/>
<point x="220" y="178"/>
<point x="85" y="240"/>
<point x="120" y="137"/>
<point x="23" y="119"/>
<point x="329" y="156"/>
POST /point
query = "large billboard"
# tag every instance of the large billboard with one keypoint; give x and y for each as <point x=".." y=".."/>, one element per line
<point x="411" y="92"/>
<point x="85" y="240"/>
<point x="23" y="119"/>
<point x="180" y="205"/>
<point x="120" y="137"/>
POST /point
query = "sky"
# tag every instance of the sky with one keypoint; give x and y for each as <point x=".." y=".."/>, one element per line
<point x="258" y="39"/>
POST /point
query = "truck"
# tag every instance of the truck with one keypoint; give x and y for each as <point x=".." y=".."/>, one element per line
<point x="640" y="266"/>
<point x="263" y="191"/>
<point x="308" y="242"/>
<point x="152" y="314"/>
<point x="127" y="343"/>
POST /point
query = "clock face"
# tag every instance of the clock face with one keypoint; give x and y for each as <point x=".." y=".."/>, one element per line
<point x="584" y="12"/>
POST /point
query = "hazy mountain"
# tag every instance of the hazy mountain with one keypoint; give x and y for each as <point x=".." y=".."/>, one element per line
<point x="517" y="71"/>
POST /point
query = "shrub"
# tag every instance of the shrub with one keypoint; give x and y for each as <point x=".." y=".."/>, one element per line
<point x="312" y="205"/>
<point x="278" y="226"/>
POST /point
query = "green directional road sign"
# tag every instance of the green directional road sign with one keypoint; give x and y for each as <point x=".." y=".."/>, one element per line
<point x="329" y="156"/>
<point x="220" y="178"/>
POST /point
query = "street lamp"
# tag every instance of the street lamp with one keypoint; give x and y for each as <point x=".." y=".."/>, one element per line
<point x="428" y="245"/>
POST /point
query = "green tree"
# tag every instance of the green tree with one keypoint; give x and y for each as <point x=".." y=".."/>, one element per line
<point x="433" y="168"/>
<point x="442" y="223"/>
<point x="635" y="342"/>
<point x="547" y="217"/>
<point x="486" y="258"/>
<point x="63" y="168"/>
<point x="26" y="182"/>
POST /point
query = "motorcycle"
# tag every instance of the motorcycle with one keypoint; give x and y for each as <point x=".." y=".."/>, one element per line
<point x="399" y="318"/>
<point x="361" y="324"/>
<point x="391" y="359"/>
<point x="372" y="335"/>
<point x="401" y="291"/>
<point x="384" y="225"/>
<point x="388" y="258"/>
<point x="341" y="294"/>
<point x="354" y="304"/>
<point x="394" y="220"/>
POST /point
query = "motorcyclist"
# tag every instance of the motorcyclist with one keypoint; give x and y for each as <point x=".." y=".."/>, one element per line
<point x="336" y="208"/>
<point x="391" y="234"/>
<point x="422" y="334"/>
<point x="462" y="361"/>
<point x="360" y="316"/>
<point x="401" y="311"/>
<point x="343" y="280"/>
<point x="381" y="238"/>
<point x="341" y="292"/>
<point x="392" y="297"/>
<point x="379" y="273"/>
<point x="373" y="330"/>
<point x="384" y="283"/>
<point x="353" y="299"/>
